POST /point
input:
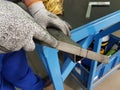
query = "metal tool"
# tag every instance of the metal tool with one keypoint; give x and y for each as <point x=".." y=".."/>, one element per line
<point x="66" y="44"/>
<point x="79" y="51"/>
<point x="91" y="4"/>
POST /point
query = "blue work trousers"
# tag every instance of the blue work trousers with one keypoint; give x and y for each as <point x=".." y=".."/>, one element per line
<point x="15" y="72"/>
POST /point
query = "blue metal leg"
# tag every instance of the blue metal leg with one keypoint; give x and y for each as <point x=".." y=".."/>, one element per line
<point x="67" y="68"/>
<point x="93" y="67"/>
<point x="50" y="59"/>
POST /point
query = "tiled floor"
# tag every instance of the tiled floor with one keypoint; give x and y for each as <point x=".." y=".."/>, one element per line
<point x="111" y="83"/>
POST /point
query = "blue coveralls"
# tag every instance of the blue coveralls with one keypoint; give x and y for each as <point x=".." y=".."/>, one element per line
<point x="14" y="71"/>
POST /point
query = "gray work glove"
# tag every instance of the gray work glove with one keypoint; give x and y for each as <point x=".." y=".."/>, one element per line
<point x="47" y="19"/>
<point x="17" y="29"/>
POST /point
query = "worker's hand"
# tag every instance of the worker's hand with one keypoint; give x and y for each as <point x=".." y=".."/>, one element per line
<point x="47" y="19"/>
<point x="17" y="29"/>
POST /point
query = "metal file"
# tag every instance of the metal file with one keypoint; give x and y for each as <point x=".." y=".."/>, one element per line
<point x="76" y="50"/>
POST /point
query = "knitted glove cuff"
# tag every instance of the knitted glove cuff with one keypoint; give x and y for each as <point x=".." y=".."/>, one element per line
<point x="34" y="8"/>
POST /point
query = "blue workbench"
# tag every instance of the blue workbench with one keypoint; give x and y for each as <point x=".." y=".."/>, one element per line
<point x="84" y="35"/>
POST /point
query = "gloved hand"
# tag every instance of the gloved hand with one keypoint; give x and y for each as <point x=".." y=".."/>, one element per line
<point x="17" y="29"/>
<point x="47" y="19"/>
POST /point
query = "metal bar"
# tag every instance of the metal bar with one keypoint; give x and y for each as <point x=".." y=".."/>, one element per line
<point x="109" y="30"/>
<point x="91" y="4"/>
<point x="66" y="44"/>
<point x="88" y="11"/>
<point x="76" y="50"/>
<point x="95" y="26"/>
<point x="103" y="3"/>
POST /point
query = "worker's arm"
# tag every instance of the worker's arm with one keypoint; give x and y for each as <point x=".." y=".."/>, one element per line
<point x="45" y="18"/>
<point x="17" y="29"/>
<point x="30" y="2"/>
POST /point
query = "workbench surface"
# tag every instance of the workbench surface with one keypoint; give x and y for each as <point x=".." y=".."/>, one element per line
<point x="75" y="11"/>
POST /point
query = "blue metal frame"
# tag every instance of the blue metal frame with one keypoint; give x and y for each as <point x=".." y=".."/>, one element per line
<point x="83" y="35"/>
